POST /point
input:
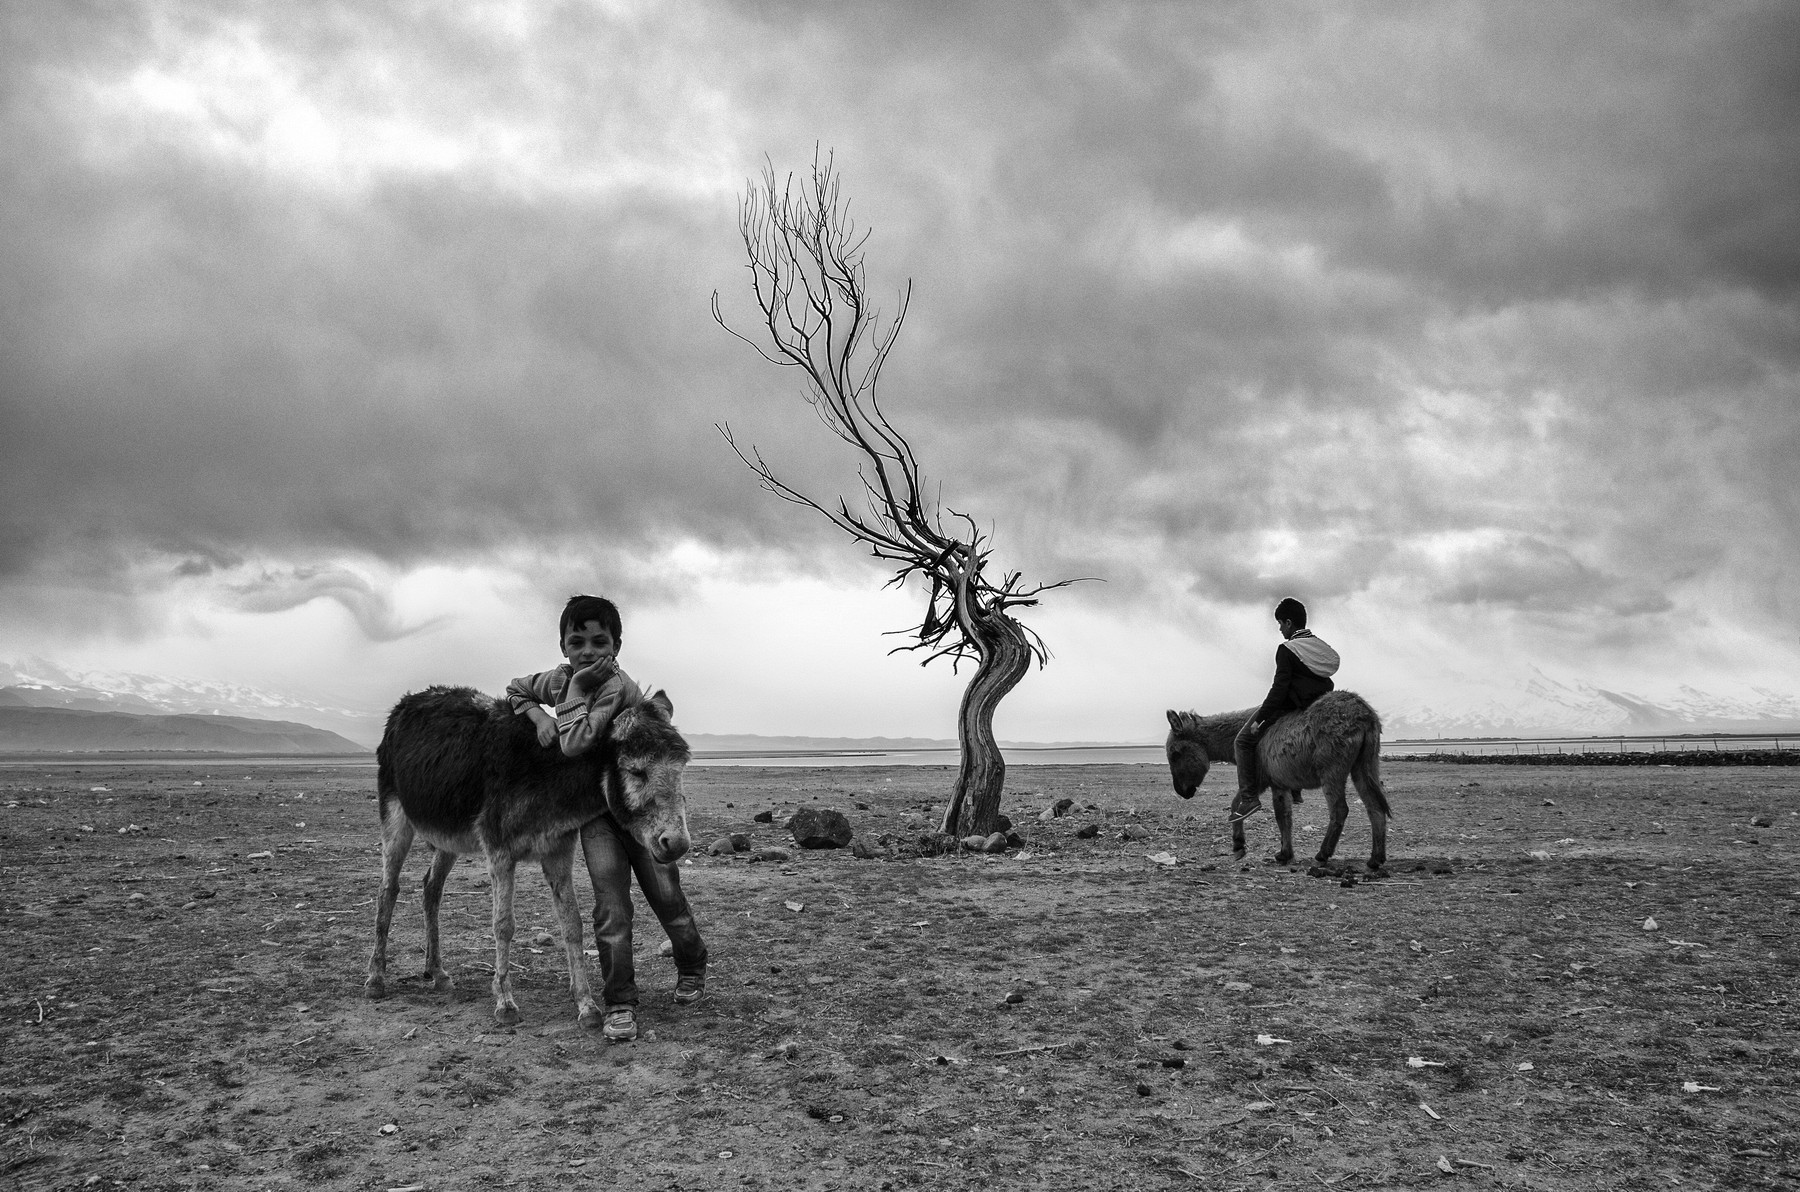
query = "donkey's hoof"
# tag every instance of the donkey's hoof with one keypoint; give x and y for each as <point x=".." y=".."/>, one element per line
<point x="1238" y="854"/>
<point x="374" y="988"/>
<point x="1282" y="857"/>
<point x="508" y="1015"/>
<point x="440" y="981"/>
<point x="591" y="1015"/>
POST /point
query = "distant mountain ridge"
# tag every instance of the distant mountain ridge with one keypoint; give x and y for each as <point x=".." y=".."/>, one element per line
<point x="1533" y="704"/>
<point x="36" y="682"/>
<point x="25" y="729"/>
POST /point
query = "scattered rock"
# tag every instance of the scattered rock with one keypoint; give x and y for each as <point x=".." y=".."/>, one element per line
<point x="722" y="847"/>
<point x="1015" y="997"/>
<point x="862" y="850"/>
<point x="820" y="827"/>
<point x="995" y="843"/>
<point x="1133" y="832"/>
<point x="764" y="817"/>
<point x="769" y="854"/>
<point x="1014" y="840"/>
<point x="740" y="842"/>
<point x="666" y="949"/>
<point x="1650" y="925"/>
<point x="1762" y="821"/>
<point x="1143" y="1090"/>
<point x="1087" y="831"/>
<point x="973" y="844"/>
<point x="1549" y="802"/>
<point x="1174" y="1061"/>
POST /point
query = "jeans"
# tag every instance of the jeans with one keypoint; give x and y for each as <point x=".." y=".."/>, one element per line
<point x="1243" y="749"/>
<point x="613" y="855"/>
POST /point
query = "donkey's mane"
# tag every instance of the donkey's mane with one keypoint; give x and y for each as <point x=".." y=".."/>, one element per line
<point x="649" y="732"/>
<point x="1213" y="733"/>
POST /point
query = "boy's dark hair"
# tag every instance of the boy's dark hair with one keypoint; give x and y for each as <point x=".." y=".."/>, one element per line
<point x="582" y="609"/>
<point x="1288" y="610"/>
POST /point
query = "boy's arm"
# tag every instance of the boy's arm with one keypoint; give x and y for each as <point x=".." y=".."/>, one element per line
<point x="529" y="691"/>
<point x="1281" y="690"/>
<point x="581" y="722"/>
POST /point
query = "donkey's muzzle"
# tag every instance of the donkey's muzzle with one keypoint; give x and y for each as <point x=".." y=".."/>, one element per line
<point x="670" y="847"/>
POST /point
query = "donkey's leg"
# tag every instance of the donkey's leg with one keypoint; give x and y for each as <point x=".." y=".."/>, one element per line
<point x="1238" y="847"/>
<point x="1284" y="819"/>
<point x="501" y="869"/>
<point x="559" y="865"/>
<point x="1374" y="799"/>
<point x="1340" y="813"/>
<point x="432" y="896"/>
<point x="396" y="841"/>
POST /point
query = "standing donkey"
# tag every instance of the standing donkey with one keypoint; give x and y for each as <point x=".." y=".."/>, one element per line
<point x="1335" y="738"/>
<point x="462" y="772"/>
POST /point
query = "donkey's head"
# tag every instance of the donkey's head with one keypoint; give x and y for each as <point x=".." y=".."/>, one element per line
<point x="643" y="791"/>
<point x="1188" y="760"/>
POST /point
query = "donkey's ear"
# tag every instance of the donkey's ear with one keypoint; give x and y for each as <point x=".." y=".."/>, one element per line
<point x="661" y="700"/>
<point x="1174" y="718"/>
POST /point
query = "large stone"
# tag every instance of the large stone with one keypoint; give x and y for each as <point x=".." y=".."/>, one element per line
<point x="722" y="847"/>
<point x="820" y="827"/>
<point x="769" y="854"/>
<point x="995" y="843"/>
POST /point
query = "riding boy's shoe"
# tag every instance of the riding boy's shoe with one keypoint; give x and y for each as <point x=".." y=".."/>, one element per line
<point x="689" y="988"/>
<point x="1245" y="805"/>
<point x="620" y="1025"/>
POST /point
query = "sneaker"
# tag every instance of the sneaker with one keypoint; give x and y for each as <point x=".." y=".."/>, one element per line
<point x="1243" y="809"/>
<point x="689" y="989"/>
<point x="620" y="1025"/>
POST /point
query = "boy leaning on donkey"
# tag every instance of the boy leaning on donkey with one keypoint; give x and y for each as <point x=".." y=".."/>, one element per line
<point x="587" y="691"/>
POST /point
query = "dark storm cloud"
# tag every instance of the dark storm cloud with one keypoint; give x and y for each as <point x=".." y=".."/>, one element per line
<point x="1250" y="299"/>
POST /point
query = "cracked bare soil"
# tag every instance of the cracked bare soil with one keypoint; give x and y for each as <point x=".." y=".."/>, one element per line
<point x="186" y="948"/>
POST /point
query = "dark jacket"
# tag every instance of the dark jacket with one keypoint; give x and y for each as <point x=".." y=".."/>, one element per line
<point x="1296" y="686"/>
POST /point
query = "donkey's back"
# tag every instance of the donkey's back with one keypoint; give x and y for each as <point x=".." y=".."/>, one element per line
<point x="432" y="763"/>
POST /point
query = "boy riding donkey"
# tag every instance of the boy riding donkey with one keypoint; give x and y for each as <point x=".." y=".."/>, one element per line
<point x="588" y="691"/>
<point x="1304" y="665"/>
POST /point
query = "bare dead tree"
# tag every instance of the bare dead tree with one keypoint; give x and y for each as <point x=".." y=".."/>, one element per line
<point x="806" y="268"/>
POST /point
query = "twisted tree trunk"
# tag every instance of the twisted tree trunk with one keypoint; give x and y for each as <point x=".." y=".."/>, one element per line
<point x="1005" y="656"/>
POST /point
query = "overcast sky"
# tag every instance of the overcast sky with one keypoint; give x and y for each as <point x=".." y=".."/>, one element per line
<point x="339" y="343"/>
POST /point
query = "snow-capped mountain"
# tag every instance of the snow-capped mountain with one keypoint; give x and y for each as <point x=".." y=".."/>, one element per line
<point x="40" y="683"/>
<point x="1537" y="705"/>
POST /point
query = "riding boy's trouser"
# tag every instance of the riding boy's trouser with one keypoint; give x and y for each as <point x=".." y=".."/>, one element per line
<point x="1243" y="749"/>
<point x="613" y="855"/>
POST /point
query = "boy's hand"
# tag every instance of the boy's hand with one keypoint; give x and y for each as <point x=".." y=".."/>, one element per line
<point x="587" y="680"/>
<point x="546" y="732"/>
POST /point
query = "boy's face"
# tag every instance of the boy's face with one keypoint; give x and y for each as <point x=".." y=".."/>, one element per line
<point x="585" y="644"/>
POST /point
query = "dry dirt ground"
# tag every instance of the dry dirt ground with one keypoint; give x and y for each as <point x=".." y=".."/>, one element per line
<point x="186" y="946"/>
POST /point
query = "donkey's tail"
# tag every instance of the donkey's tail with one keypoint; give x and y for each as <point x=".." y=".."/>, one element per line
<point x="1366" y="773"/>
